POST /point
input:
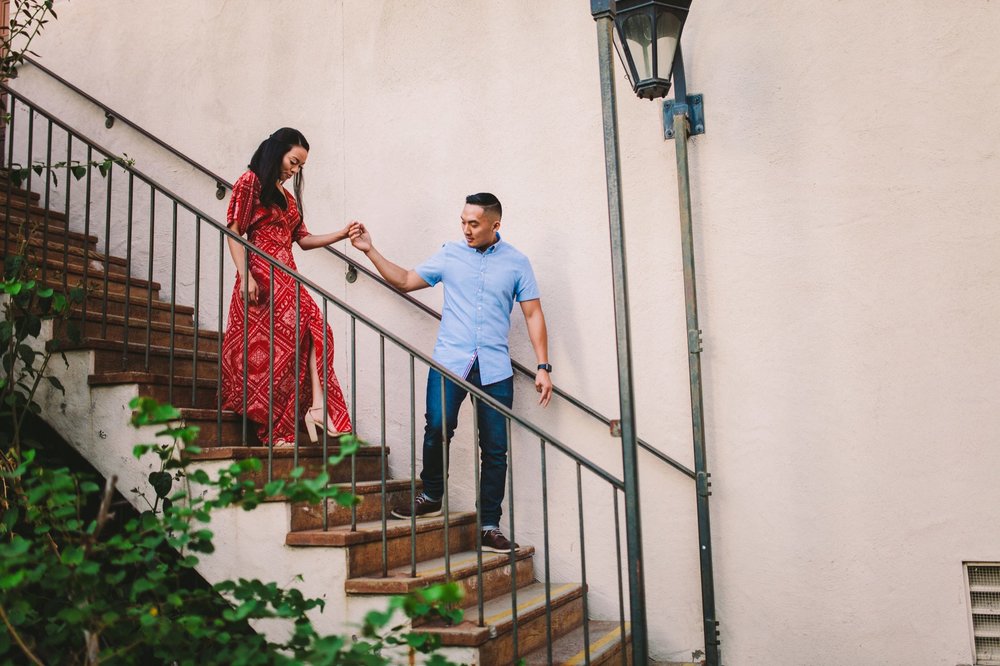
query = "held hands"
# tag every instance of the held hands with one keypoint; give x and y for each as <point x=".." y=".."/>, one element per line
<point x="543" y="384"/>
<point x="360" y="238"/>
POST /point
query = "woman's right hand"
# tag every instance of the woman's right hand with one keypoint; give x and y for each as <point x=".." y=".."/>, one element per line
<point x="251" y="291"/>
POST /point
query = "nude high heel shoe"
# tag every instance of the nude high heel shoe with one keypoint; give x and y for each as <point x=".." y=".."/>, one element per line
<point x="315" y="425"/>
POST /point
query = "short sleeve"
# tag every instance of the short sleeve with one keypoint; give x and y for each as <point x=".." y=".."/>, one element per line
<point x="432" y="270"/>
<point x="245" y="198"/>
<point x="526" y="288"/>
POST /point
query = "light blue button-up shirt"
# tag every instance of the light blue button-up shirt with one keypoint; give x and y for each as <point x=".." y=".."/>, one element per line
<point x="479" y="293"/>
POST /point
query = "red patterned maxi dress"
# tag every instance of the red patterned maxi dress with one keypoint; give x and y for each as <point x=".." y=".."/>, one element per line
<point x="272" y="230"/>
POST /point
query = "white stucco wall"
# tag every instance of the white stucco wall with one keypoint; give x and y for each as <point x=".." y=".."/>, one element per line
<point x="846" y="244"/>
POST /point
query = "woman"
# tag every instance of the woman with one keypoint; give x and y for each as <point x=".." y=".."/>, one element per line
<point x="271" y="218"/>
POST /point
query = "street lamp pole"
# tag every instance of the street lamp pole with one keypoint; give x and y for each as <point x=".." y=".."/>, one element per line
<point x="678" y="117"/>
<point x="602" y="11"/>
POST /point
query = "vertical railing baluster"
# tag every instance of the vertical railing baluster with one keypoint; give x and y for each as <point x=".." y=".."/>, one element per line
<point x="173" y="307"/>
<point x="382" y="457"/>
<point x="583" y="565"/>
<point x="621" y="585"/>
<point x="149" y="274"/>
<point x="545" y="542"/>
<point x="326" y="403"/>
<point x="354" y="418"/>
<point x="245" y="295"/>
<point x="413" y="464"/>
<point x="270" y="378"/>
<point x="444" y="485"/>
<point x="298" y="361"/>
<point x="46" y="217"/>
<point x="128" y="267"/>
<point x="476" y="457"/>
<point x="196" y="317"/>
<point x="86" y="237"/>
<point x="66" y="199"/>
<point x="9" y="228"/>
<point x="513" y="559"/>
<point x="109" y="180"/>
<point x="197" y="314"/>
<point x="28" y="164"/>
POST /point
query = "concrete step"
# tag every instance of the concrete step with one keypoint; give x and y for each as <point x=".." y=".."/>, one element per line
<point x="278" y="463"/>
<point x="310" y="516"/>
<point x="365" y="544"/>
<point x="165" y="388"/>
<point x="140" y="331"/>
<point x="78" y="247"/>
<point x="497" y="579"/>
<point x="494" y="638"/>
<point x="601" y="645"/>
<point x="50" y="272"/>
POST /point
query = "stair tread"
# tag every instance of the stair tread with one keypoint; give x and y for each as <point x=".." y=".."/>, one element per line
<point x="141" y="322"/>
<point x="366" y="532"/>
<point x="605" y="641"/>
<point x="498" y="614"/>
<point x="55" y="242"/>
<point x="463" y="564"/>
<point x="310" y="452"/>
<point x="138" y="377"/>
<point x="137" y="301"/>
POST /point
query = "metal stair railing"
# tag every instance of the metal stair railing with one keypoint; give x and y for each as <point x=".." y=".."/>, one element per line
<point x="189" y="227"/>
<point x="353" y="265"/>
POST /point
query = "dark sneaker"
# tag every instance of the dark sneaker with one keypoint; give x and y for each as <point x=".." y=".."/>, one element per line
<point x="494" y="540"/>
<point x="424" y="508"/>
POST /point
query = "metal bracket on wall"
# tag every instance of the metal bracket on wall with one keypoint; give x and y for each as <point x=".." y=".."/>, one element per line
<point x="694" y="342"/>
<point x="694" y="109"/>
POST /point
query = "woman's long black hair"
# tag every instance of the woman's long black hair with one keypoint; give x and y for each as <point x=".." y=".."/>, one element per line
<point x="266" y="163"/>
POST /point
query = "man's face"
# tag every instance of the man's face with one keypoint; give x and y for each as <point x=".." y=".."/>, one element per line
<point x="478" y="226"/>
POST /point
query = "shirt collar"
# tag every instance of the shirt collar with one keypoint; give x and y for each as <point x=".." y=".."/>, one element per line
<point x="491" y="248"/>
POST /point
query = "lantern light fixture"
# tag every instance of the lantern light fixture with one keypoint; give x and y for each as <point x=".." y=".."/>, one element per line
<point x="649" y="31"/>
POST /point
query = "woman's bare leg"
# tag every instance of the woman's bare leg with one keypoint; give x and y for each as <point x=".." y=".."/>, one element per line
<point x="317" y="386"/>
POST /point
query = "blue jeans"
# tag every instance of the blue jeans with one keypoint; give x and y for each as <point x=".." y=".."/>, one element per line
<point x="492" y="439"/>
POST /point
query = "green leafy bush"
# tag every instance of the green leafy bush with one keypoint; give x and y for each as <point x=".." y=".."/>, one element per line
<point x="80" y="585"/>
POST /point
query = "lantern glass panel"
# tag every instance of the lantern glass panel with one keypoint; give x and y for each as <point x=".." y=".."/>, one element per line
<point x="638" y="30"/>
<point x="668" y="30"/>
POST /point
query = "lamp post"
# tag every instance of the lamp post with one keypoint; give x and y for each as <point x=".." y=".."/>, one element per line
<point x="603" y="13"/>
<point x="650" y="32"/>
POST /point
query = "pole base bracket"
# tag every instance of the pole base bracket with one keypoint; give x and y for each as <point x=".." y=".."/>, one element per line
<point x="694" y="109"/>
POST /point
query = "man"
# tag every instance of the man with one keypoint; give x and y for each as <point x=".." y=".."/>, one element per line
<point x="482" y="277"/>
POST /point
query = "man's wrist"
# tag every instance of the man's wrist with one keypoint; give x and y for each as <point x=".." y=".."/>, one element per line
<point x="547" y="367"/>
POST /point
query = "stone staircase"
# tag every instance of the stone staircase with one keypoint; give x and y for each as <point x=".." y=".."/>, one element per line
<point x="137" y="340"/>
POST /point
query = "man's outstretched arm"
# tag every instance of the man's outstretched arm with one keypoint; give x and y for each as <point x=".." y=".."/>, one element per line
<point x="399" y="277"/>
<point x="539" y="336"/>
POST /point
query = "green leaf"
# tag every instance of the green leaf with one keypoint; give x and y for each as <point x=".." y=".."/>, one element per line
<point x="11" y="580"/>
<point x="78" y="171"/>
<point x="72" y="556"/>
<point x="162" y="482"/>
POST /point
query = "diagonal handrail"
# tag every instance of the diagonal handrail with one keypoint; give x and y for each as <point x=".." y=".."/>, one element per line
<point x="223" y="184"/>
<point x="348" y="309"/>
<point x="524" y="370"/>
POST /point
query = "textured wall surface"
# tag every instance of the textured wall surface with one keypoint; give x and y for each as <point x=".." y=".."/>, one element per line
<point x="847" y="248"/>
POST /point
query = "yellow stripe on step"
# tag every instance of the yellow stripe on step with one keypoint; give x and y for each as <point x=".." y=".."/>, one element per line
<point x="440" y="569"/>
<point x="530" y="602"/>
<point x="579" y="657"/>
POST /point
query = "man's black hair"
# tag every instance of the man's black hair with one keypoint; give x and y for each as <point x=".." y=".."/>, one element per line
<point x="487" y="201"/>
